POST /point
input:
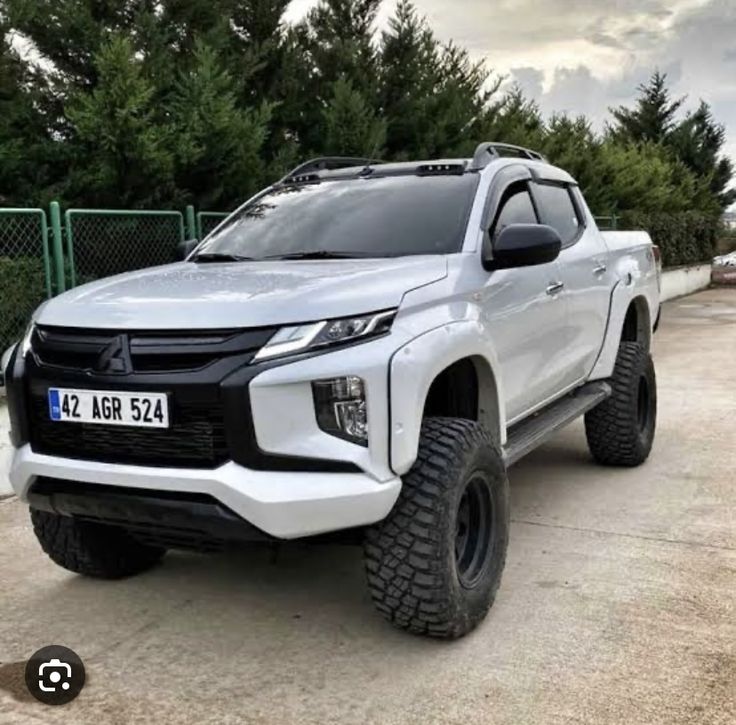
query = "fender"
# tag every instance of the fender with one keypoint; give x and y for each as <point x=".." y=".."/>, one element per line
<point x="631" y="285"/>
<point x="414" y="367"/>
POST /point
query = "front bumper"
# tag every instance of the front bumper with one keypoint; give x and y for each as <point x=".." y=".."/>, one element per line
<point x="267" y="460"/>
<point x="284" y="504"/>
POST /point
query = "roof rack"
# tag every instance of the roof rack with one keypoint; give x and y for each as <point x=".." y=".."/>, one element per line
<point x="489" y="150"/>
<point x="307" y="170"/>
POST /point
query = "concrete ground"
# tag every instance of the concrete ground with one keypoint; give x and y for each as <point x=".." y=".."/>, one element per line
<point x="618" y="603"/>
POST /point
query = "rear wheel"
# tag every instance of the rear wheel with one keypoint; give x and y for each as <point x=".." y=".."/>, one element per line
<point x="90" y="548"/>
<point x="620" y="431"/>
<point x="435" y="563"/>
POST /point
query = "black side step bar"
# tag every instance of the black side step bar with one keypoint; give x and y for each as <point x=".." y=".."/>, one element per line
<point x="525" y="436"/>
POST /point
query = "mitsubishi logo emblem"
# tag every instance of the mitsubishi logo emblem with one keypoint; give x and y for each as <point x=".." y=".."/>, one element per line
<point x="115" y="357"/>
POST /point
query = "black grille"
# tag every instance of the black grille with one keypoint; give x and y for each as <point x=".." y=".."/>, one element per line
<point x="150" y="351"/>
<point x="205" y="373"/>
<point x="195" y="438"/>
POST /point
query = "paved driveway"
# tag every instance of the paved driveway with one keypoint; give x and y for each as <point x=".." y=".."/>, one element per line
<point x="618" y="604"/>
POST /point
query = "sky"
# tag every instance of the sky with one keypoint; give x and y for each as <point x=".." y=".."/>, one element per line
<point x="583" y="56"/>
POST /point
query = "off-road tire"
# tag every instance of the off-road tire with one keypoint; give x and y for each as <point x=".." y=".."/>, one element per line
<point x="620" y="430"/>
<point x="90" y="548"/>
<point x="413" y="571"/>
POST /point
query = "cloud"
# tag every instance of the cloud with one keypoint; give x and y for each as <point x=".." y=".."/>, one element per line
<point x="607" y="40"/>
<point x="530" y="80"/>
<point x="583" y="56"/>
<point x="575" y="91"/>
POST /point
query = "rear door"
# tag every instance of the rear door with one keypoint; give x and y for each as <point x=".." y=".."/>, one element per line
<point x="584" y="272"/>
<point x="524" y="312"/>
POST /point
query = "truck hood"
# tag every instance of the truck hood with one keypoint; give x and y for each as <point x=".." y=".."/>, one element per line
<point x="241" y="294"/>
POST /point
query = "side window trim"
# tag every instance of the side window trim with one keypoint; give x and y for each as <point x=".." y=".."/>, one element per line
<point x="576" y="196"/>
<point x="582" y="222"/>
<point x="494" y="205"/>
<point x="515" y="187"/>
<point x="499" y="186"/>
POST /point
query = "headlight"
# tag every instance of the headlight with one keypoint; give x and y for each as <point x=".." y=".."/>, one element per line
<point x="295" y="339"/>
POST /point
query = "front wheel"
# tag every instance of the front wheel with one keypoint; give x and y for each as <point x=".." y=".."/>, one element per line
<point x="620" y="430"/>
<point x="435" y="563"/>
<point x="91" y="548"/>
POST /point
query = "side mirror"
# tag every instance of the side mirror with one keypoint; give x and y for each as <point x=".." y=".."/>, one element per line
<point x="184" y="249"/>
<point x="523" y="245"/>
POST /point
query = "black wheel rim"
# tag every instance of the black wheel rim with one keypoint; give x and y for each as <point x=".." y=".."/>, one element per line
<point x="642" y="405"/>
<point x="473" y="531"/>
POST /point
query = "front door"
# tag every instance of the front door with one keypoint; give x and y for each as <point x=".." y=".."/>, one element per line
<point x="524" y="312"/>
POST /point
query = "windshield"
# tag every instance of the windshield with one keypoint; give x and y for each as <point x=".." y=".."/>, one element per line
<point x="373" y="217"/>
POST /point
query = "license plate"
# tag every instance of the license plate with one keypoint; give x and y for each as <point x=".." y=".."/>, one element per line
<point x="144" y="410"/>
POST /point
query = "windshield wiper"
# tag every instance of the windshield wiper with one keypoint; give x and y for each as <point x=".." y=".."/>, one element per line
<point x="321" y="254"/>
<point x="220" y="257"/>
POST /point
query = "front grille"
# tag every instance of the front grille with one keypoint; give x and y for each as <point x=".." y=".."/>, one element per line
<point x="149" y="351"/>
<point x="195" y="438"/>
<point x="188" y="364"/>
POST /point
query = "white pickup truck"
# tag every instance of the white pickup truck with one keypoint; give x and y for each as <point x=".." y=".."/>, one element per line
<point x="361" y="346"/>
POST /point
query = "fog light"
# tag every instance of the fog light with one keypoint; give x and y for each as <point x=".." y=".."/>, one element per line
<point x="341" y="409"/>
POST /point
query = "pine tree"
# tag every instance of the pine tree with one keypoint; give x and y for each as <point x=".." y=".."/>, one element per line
<point x="123" y="155"/>
<point x="652" y="119"/>
<point x="409" y="75"/>
<point x="698" y="142"/>
<point x="516" y="120"/>
<point x="333" y="42"/>
<point x="434" y="98"/>
<point x="28" y="151"/>
<point x="340" y="44"/>
<point x="644" y="178"/>
<point x="141" y="103"/>
<point x="350" y="124"/>
<point x="69" y="33"/>
<point x="217" y="141"/>
<point x="570" y="143"/>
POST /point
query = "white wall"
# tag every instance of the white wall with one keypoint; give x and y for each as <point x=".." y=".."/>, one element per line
<point x="684" y="281"/>
<point x="4" y="451"/>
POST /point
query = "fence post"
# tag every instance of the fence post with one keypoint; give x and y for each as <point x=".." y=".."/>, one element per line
<point x="58" y="246"/>
<point x="191" y="223"/>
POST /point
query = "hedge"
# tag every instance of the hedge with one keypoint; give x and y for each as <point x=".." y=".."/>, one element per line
<point x="684" y="238"/>
<point x="22" y="289"/>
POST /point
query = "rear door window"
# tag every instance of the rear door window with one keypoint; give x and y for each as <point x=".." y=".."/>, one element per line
<point x="556" y="209"/>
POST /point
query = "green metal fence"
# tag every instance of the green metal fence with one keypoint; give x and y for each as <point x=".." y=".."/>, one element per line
<point x="207" y="221"/>
<point x="25" y="269"/>
<point x="103" y="242"/>
<point x="607" y="223"/>
<point x="42" y="255"/>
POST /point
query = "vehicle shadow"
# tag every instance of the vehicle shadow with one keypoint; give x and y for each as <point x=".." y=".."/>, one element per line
<point x="293" y="595"/>
<point x="555" y="469"/>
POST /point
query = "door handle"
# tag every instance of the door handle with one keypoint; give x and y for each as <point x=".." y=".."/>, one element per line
<point x="555" y="288"/>
<point x="600" y="269"/>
